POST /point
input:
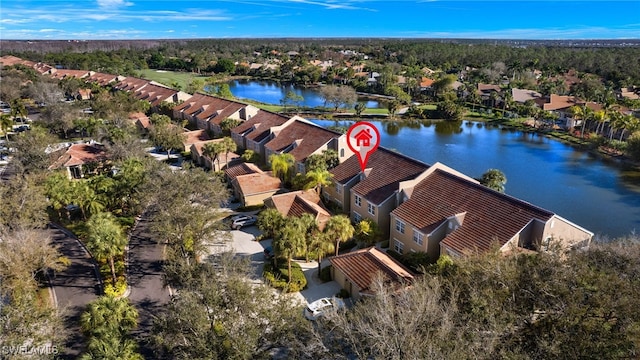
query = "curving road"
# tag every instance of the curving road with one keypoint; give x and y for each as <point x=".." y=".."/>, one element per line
<point x="74" y="287"/>
<point x="146" y="280"/>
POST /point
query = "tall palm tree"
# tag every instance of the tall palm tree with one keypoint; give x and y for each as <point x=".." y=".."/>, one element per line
<point x="581" y="113"/>
<point x="290" y="242"/>
<point x="18" y="108"/>
<point x="309" y="227"/>
<point x="282" y="165"/>
<point x="105" y="239"/>
<point x="317" y="179"/>
<point x="228" y="145"/>
<point x="601" y="117"/>
<point x="617" y="119"/>
<point x="339" y="229"/>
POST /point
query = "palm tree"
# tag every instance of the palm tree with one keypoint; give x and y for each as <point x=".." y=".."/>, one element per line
<point x="105" y="239"/>
<point x="310" y="227"/>
<point x="112" y="346"/>
<point x="600" y="117"/>
<point x="6" y="124"/>
<point x="282" y="165"/>
<point x="316" y="179"/>
<point x="581" y="113"/>
<point x="494" y="179"/>
<point x="290" y="242"/>
<point x="228" y="145"/>
<point x="322" y="245"/>
<point x="339" y="229"/>
<point x="108" y="314"/>
<point x="209" y="151"/>
<point x="617" y="120"/>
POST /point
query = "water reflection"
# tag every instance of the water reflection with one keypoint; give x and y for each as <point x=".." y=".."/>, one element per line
<point x="448" y="127"/>
<point x="594" y="193"/>
<point x="271" y="92"/>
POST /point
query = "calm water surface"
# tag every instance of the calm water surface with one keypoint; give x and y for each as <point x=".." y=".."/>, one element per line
<point x="270" y="92"/>
<point x="575" y="185"/>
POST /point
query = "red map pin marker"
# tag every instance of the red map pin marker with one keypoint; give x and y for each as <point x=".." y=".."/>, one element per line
<point x="363" y="138"/>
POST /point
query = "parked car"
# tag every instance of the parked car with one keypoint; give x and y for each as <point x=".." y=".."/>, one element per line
<point x="322" y="307"/>
<point x="268" y="253"/>
<point x="243" y="220"/>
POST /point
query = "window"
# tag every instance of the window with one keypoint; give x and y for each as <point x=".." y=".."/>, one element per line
<point x="357" y="200"/>
<point x="301" y="168"/>
<point x="399" y="226"/>
<point x="341" y="153"/>
<point x="371" y="208"/>
<point x="356" y="217"/>
<point x="338" y="188"/>
<point x="417" y="237"/>
<point x="398" y="246"/>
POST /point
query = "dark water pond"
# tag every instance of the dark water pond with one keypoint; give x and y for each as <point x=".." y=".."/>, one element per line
<point x="270" y="92"/>
<point x="598" y="195"/>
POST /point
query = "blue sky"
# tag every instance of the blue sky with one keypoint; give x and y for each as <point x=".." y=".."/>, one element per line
<point x="150" y="19"/>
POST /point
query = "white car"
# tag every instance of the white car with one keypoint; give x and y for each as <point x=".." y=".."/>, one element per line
<point x="323" y="306"/>
<point x="242" y="220"/>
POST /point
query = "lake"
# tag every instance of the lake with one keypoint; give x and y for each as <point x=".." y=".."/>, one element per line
<point x="587" y="190"/>
<point x="271" y="92"/>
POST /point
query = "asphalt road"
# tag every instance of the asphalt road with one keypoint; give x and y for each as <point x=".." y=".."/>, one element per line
<point x="146" y="281"/>
<point x="74" y="287"/>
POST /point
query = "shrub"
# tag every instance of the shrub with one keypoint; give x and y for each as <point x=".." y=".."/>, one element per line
<point x="633" y="146"/>
<point x="618" y="145"/>
<point x="278" y="278"/>
<point x="116" y="290"/>
<point x="325" y="273"/>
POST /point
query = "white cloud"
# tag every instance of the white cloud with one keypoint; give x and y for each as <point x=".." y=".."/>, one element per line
<point x="113" y="3"/>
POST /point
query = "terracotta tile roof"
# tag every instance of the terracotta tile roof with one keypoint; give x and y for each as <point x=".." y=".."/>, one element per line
<point x="43" y="68"/>
<point x="80" y="154"/>
<point x="257" y="183"/>
<point x="388" y="169"/>
<point x="489" y="216"/>
<point x="297" y="203"/>
<point x="10" y="60"/>
<point x="242" y="169"/>
<point x="195" y="136"/>
<point x="260" y="125"/>
<point x="226" y="112"/>
<point x="561" y="102"/>
<point x="362" y="266"/>
<point x="201" y="103"/>
<point x="132" y="84"/>
<point x="522" y="95"/>
<point x="140" y="118"/>
<point x="102" y="78"/>
<point x="306" y="136"/>
<point x="426" y="82"/>
<point x="196" y="98"/>
<point x="487" y="88"/>
<point x="63" y="73"/>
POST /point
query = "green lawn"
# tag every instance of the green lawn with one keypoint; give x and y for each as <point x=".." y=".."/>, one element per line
<point x="169" y="77"/>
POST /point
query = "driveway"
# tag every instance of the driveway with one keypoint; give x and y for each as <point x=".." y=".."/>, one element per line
<point x="243" y="243"/>
<point x="74" y="287"/>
